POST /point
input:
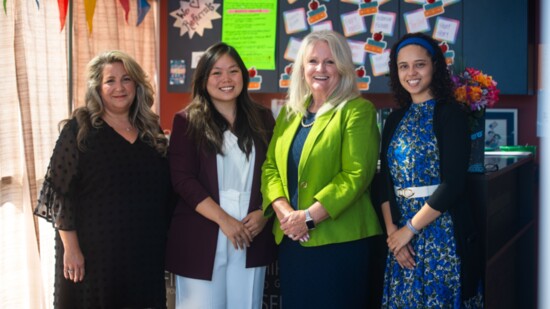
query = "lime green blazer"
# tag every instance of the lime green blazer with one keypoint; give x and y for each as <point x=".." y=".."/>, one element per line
<point x="336" y="168"/>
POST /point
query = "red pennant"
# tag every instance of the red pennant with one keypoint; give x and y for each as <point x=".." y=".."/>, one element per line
<point x="63" y="5"/>
<point x="126" y="6"/>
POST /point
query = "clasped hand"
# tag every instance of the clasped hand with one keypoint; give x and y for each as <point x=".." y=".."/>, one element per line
<point x="294" y="225"/>
<point x="241" y="233"/>
<point x="399" y="244"/>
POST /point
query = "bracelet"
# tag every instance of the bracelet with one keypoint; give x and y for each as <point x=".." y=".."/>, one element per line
<point x="411" y="227"/>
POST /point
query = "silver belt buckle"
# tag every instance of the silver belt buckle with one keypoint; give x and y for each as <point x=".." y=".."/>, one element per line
<point x="406" y="193"/>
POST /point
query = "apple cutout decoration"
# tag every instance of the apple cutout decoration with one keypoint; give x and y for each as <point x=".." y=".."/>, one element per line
<point x="430" y="1"/>
<point x="378" y="36"/>
<point x="367" y="1"/>
<point x="360" y="71"/>
<point x="252" y="72"/>
<point x="444" y="47"/>
<point x="313" y="5"/>
<point x="288" y="69"/>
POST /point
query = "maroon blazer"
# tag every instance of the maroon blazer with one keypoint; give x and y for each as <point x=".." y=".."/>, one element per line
<point x="192" y="238"/>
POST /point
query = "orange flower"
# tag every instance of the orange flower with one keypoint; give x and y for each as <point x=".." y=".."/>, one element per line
<point x="474" y="94"/>
<point x="483" y="80"/>
<point x="460" y="94"/>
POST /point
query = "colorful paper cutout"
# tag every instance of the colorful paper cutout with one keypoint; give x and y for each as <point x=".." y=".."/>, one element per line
<point x="376" y="44"/>
<point x="353" y="24"/>
<point x="380" y="63"/>
<point x="324" y="25"/>
<point x="367" y="8"/>
<point x="383" y="22"/>
<point x="357" y="51"/>
<point x="194" y="18"/>
<point x="449" y="54"/>
<point x="255" y="79"/>
<point x="316" y="12"/>
<point x="446" y="29"/>
<point x="362" y="80"/>
<point x="415" y="21"/>
<point x="433" y="8"/>
<point x="295" y="20"/>
<point x="284" y="81"/>
<point x="177" y="72"/>
<point x="292" y="49"/>
<point x="449" y="2"/>
<point x="195" y="57"/>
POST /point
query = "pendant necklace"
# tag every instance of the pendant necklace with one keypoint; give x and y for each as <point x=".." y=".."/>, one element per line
<point x="125" y="128"/>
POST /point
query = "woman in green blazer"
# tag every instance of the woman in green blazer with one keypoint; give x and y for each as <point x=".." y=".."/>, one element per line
<point x="317" y="176"/>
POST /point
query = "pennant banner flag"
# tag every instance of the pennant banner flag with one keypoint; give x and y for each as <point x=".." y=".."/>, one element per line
<point x="143" y="8"/>
<point x="126" y="6"/>
<point x="63" y="5"/>
<point x="89" y="6"/>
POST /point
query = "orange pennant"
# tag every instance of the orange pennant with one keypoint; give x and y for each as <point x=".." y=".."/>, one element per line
<point x="126" y="6"/>
<point x="89" y="6"/>
<point x="63" y="5"/>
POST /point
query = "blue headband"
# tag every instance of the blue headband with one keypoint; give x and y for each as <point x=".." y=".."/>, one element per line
<point x="418" y="41"/>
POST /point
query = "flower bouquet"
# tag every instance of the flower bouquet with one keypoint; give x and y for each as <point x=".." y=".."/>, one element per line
<point x="476" y="91"/>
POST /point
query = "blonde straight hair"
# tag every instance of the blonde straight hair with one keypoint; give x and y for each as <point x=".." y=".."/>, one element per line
<point x="299" y="93"/>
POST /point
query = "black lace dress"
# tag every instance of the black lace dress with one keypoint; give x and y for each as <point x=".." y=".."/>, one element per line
<point x="114" y="195"/>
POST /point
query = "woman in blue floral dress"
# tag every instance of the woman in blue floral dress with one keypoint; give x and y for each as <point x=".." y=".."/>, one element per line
<point x="424" y="161"/>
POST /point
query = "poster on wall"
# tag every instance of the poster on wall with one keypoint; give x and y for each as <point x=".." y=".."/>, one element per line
<point x="195" y="25"/>
<point x="194" y="17"/>
<point x="247" y="25"/>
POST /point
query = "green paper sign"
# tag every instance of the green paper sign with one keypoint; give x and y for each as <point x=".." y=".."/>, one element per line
<point x="251" y="26"/>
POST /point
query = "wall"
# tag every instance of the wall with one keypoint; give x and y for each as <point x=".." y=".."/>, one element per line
<point x="170" y="103"/>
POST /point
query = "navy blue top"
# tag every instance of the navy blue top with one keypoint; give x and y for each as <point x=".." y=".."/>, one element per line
<point x="294" y="158"/>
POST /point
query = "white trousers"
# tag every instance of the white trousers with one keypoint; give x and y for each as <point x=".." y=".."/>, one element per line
<point x="233" y="286"/>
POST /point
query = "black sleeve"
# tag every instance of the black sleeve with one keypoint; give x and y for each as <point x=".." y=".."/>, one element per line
<point x="386" y="184"/>
<point x="54" y="203"/>
<point x="453" y="140"/>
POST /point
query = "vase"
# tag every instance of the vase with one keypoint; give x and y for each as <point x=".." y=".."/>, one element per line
<point x="477" y="136"/>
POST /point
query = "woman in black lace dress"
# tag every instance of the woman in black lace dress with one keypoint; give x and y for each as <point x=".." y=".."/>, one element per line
<point x="106" y="192"/>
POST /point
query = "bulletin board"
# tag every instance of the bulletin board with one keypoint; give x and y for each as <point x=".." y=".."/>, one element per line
<point x="194" y="25"/>
<point x="370" y="27"/>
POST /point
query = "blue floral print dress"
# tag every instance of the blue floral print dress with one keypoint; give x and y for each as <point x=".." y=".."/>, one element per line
<point x="413" y="160"/>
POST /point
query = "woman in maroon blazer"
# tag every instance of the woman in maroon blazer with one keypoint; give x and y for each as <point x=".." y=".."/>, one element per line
<point x="219" y="242"/>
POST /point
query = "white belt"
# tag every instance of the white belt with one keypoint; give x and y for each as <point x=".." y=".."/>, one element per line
<point x="415" y="192"/>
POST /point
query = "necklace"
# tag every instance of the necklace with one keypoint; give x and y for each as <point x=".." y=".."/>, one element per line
<point x="122" y="127"/>
<point x="307" y="125"/>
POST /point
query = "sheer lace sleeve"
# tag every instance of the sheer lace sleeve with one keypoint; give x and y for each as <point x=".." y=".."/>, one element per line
<point x="54" y="203"/>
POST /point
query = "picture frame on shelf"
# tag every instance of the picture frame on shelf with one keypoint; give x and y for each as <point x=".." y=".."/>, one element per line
<point x="501" y="125"/>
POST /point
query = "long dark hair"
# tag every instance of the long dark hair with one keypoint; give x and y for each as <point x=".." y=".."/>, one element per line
<point x="441" y="86"/>
<point x="207" y="124"/>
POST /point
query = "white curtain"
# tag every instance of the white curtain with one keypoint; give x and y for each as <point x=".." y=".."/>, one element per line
<point x="34" y="87"/>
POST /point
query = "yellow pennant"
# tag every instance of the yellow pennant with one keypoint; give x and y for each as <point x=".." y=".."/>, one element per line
<point x="89" y="6"/>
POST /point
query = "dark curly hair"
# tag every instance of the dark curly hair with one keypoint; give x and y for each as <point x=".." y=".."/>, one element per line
<point x="441" y="86"/>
